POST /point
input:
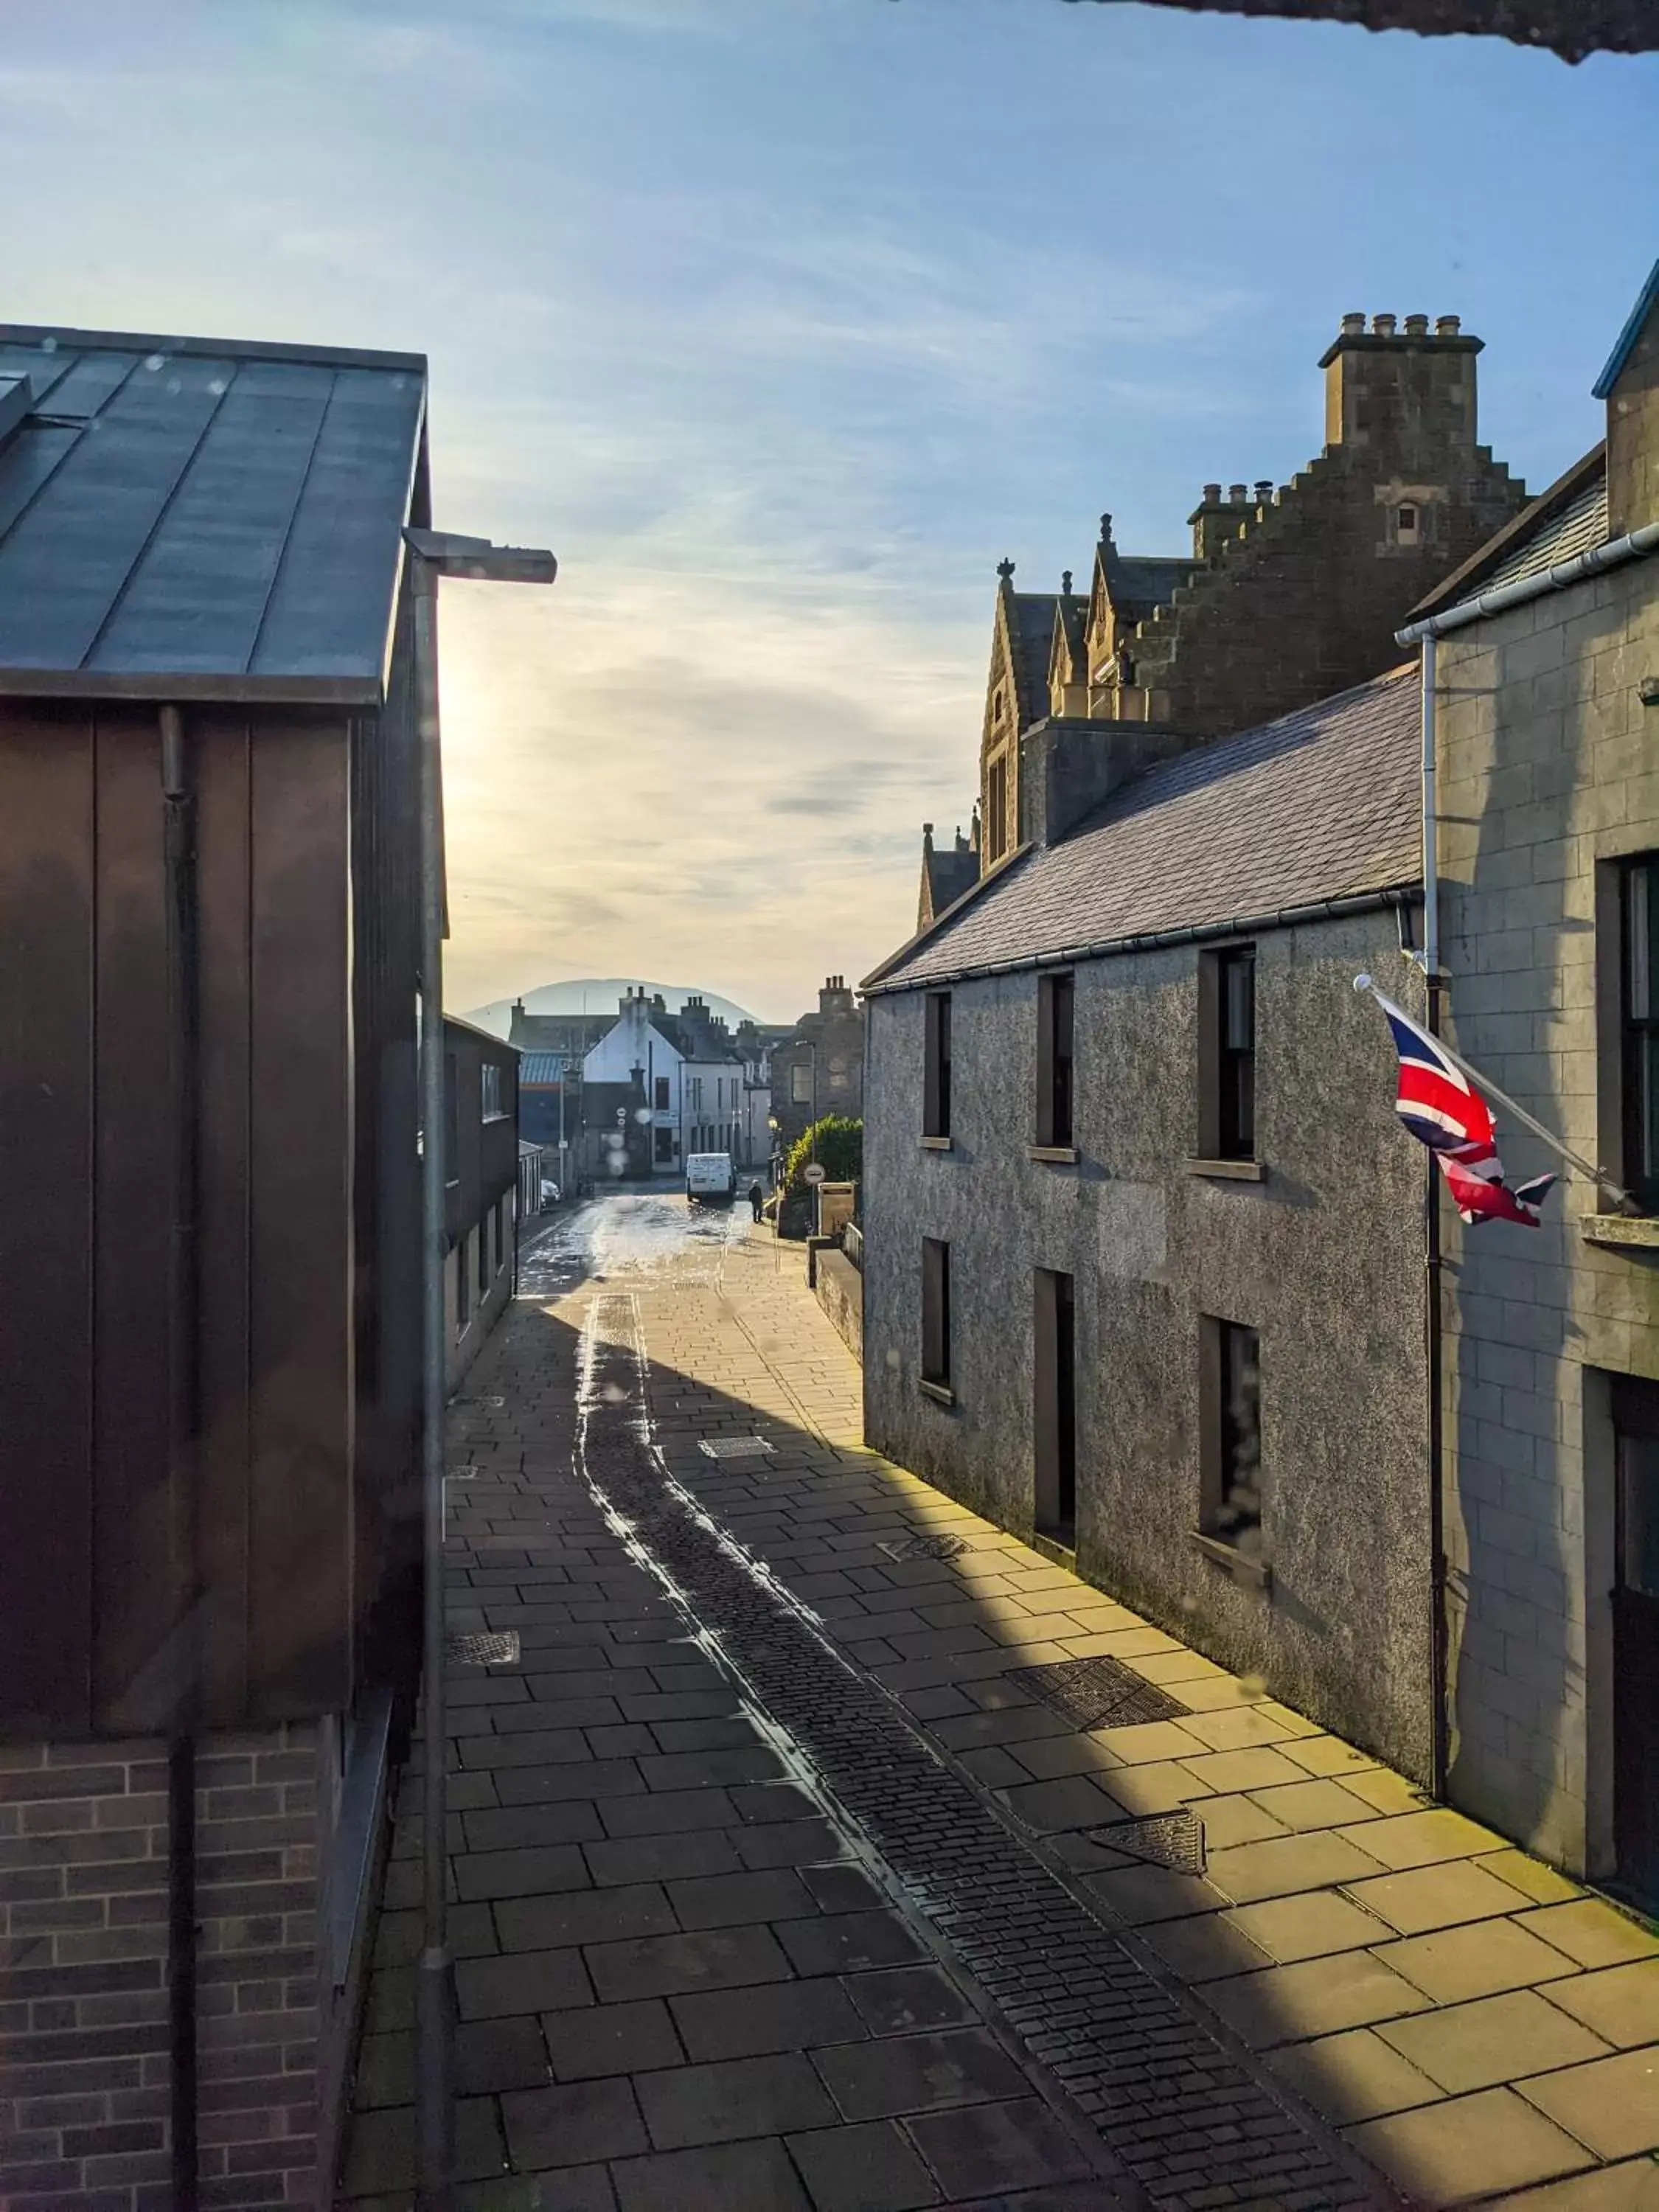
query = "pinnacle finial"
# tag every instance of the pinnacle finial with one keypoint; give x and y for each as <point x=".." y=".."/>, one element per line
<point x="1005" y="570"/>
<point x="1066" y="582"/>
<point x="1105" y="529"/>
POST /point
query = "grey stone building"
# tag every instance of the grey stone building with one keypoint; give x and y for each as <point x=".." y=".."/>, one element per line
<point x="819" y="1067"/>
<point x="1546" y="686"/>
<point x="1288" y="593"/>
<point x="1143" y="1242"/>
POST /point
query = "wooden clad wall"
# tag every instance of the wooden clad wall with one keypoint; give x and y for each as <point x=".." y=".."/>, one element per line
<point x="87" y="1549"/>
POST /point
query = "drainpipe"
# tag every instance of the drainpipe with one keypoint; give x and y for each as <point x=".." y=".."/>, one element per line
<point x="184" y="1420"/>
<point x="1433" y="1261"/>
<point x="433" y="554"/>
<point x="434" y="2015"/>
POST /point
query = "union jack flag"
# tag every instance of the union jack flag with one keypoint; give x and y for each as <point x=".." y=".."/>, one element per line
<point x="1441" y="1107"/>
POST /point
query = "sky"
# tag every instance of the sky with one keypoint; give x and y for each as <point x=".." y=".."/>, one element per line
<point x="782" y="321"/>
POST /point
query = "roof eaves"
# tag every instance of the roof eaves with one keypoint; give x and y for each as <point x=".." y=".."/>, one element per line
<point x="993" y="875"/>
<point x="1406" y="893"/>
<point x="187" y="688"/>
<point x="1536" y="512"/>
<point x="1647" y="300"/>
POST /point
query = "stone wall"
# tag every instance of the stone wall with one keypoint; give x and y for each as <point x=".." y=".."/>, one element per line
<point x="1549" y="773"/>
<point x="1324" y="1257"/>
<point x="84" y="2039"/>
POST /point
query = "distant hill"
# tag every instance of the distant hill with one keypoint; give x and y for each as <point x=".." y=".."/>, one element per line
<point x="597" y="994"/>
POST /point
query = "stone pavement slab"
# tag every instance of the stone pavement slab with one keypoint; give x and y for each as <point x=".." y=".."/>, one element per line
<point x="674" y="1934"/>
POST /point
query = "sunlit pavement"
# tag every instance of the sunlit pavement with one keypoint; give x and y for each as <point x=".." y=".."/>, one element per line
<point x="748" y="1804"/>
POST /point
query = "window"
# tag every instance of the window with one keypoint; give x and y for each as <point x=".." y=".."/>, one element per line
<point x="936" y="1081"/>
<point x="1232" y="1425"/>
<point x="661" y="1094"/>
<point x="1054" y="1345"/>
<point x="1056" y="995"/>
<point x="1227" y="1055"/>
<point x="665" y="1149"/>
<point x="801" y="1084"/>
<point x="1408" y="523"/>
<point x="935" y="1314"/>
<point x="490" y="1093"/>
<point x="996" y="809"/>
<point x="1639" y="1059"/>
<point x="694" y="1084"/>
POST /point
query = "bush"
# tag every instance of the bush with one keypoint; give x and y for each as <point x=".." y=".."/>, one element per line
<point x="840" y="1150"/>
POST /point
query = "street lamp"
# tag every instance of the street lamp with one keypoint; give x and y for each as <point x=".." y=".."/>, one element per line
<point x="432" y="553"/>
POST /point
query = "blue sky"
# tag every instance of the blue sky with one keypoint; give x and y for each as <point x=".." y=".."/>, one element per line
<point x="783" y="320"/>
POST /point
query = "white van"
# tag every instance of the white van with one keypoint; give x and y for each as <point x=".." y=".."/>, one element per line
<point x="710" y="1178"/>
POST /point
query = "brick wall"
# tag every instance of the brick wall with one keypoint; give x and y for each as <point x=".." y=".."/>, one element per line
<point x="84" y="2069"/>
<point x="1547" y="772"/>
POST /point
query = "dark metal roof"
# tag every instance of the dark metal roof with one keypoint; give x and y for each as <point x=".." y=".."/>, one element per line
<point x="1321" y="806"/>
<point x="195" y="519"/>
<point x="1635" y="323"/>
<point x="1571" y="28"/>
<point x="543" y="1070"/>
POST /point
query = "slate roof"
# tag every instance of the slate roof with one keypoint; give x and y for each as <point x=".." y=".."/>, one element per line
<point x="1148" y="580"/>
<point x="199" y="518"/>
<point x="1569" y="517"/>
<point x="540" y="1070"/>
<point x="949" y="874"/>
<point x="1322" y="805"/>
<point x="1031" y="631"/>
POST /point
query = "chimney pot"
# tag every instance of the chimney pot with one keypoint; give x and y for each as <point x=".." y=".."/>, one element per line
<point x="1448" y="327"/>
<point x="1417" y="326"/>
<point x="1264" y="491"/>
<point x="1238" y="494"/>
<point x="1382" y="325"/>
<point x="1213" y="495"/>
<point x="1352" y="326"/>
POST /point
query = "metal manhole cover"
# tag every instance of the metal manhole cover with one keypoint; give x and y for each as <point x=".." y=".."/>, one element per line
<point x="1094" y="1693"/>
<point x="733" y="1447"/>
<point x="480" y="1649"/>
<point x="1171" y="1840"/>
<point x="925" y="1547"/>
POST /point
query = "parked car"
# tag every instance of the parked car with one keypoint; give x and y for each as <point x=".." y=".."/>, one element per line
<point x="710" y="1178"/>
<point x="550" y="1192"/>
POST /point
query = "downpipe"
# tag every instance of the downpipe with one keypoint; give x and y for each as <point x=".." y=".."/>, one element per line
<point x="1433" y="1259"/>
<point x="184" y="1424"/>
<point x="434" y="2000"/>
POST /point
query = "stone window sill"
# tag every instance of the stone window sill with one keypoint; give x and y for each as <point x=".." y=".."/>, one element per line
<point x="1255" y="1572"/>
<point x="940" y="1393"/>
<point x="936" y="1144"/>
<point x="1063" y="1156"/>
<point x="1640" y="1229"/>
<point x="1230" y="1171"/>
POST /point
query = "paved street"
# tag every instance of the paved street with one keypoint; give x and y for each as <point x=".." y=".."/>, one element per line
<point x="787" y="1876"/>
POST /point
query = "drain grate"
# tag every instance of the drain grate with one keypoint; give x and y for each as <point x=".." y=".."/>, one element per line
<point x="1176" y="2108"/>
<point x="1094" y="1693"/>
<point x="733" y="1447"/>
<point x="1171" y="1840"/>
<point x="925" y="1547"/>
<point x="479" y="1648"/>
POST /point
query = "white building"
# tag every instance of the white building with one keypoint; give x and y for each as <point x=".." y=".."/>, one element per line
<point x="678" y="1081"/>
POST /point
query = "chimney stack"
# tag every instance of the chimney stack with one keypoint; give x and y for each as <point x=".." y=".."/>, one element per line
<point x="1264" y="491"/>
<point x="1406" y="397"/>
<point x="1239" y="494"/>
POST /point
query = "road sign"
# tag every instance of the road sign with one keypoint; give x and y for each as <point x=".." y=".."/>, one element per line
<point x="813" y="1172"/>
<point x="621" y="1117"/>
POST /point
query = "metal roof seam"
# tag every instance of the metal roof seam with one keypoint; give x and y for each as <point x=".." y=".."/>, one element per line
<point x="161" y="512"/>
<point x="279" y="563"/>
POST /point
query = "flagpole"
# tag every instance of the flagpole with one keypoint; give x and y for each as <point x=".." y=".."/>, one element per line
<point x="1527" y="1121"/>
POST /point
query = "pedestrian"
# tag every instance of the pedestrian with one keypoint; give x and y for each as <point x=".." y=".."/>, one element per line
<point x="756" y="1199"/>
